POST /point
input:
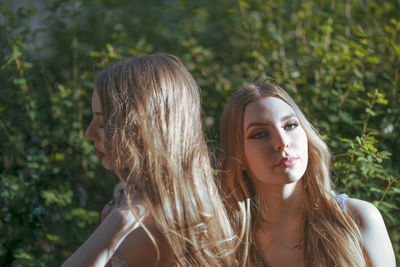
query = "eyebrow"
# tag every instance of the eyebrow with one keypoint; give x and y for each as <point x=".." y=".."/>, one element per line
<point x="256" y="123"/>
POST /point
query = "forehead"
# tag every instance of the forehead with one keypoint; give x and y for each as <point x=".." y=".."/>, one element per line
<point x="269" y="108"/>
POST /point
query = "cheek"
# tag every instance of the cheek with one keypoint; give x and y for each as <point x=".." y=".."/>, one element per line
<point x="247" y="157"/>
<point x="304" y="145"/>
<point x="256" y="156"/>
<point x="250" y="153"/>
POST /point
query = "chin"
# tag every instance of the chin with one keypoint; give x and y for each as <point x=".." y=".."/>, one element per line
<point x="106" y="164"/>
<point x="294" y="177"/>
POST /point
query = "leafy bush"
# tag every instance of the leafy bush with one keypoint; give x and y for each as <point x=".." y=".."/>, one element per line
<point x="339" y="59"/>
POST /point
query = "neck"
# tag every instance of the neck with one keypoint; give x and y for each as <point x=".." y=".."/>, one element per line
<point x="281" y="203"/>
<point x="281" y="215"/>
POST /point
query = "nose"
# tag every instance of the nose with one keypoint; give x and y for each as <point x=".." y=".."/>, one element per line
<point x="91" y="133"/>
<point x="281" y="141"/>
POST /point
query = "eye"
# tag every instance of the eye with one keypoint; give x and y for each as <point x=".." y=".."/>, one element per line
<point x="291" y="126"/>
<point x="259" y="134"/>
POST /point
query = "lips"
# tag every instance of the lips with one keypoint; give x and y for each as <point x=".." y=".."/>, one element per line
<point x="99" y="153"/>
<point x="286" y="162"/>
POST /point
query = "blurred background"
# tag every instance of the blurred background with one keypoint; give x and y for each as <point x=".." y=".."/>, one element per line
<point x="340" y="61"/>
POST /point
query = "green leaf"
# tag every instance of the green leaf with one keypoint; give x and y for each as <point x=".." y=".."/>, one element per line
<point x="390" y="205"/>
<point x="373" y="59"/>
<point x="374" y="189"/>
<point x="22" y="255"/>
<point x="95" y="54"/>
<point x="59" y="156"/>
<point x="382" y="101"/>
<point x="19" y="81"/>
<point x="54" y="238"/>
<point x="371" y="147"/>
<point x="244" y="4"/>
<point x="395" y="190"/>
<point x="370" y="111"/>
<point x="56" y="197"/>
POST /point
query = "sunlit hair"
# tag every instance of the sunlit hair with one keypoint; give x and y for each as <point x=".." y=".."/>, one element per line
<point x="331" y="237"/>
<point x="154" y="136"/>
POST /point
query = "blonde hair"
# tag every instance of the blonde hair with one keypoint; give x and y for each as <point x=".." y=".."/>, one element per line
<point x="154" y="134"/>
<point x="331" y="237"/>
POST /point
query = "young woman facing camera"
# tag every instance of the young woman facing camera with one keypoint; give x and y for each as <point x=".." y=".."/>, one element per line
<point x="274" y="160"/>
<point x="147" y="129"/>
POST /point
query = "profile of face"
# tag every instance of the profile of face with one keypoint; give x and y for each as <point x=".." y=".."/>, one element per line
<point x="95" y="131"/>
<point x="275" y="144"/>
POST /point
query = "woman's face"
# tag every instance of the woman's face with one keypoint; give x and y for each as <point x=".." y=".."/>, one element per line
<point x="95" y="131"/>
<point x="275" y="144"/>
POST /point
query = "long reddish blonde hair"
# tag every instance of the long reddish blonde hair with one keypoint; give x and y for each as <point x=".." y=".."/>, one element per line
<point x="154" y="134"/>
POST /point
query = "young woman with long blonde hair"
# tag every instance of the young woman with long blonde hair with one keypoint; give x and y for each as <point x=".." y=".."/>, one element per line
<point x="274" y="160"/>
<point x="147" y="129"/>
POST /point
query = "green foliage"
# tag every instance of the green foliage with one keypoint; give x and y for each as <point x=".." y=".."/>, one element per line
<point x="339" y="59"/>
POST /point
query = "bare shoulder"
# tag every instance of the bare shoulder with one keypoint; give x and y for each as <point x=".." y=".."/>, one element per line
<point x="376" y="242"/>
<point x="364" y="213"/>
<point x="139" y="250"/>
